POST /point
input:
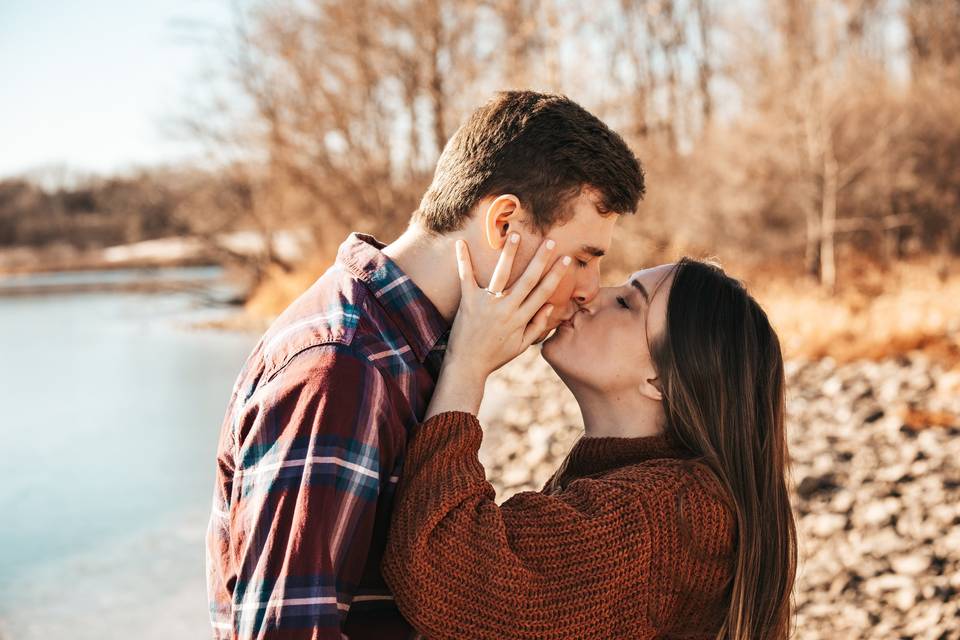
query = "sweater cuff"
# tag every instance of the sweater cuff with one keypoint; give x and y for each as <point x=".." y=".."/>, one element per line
<point x="462" y="425"/>
<point x="454" y="415"/>
<point x="446" y="446"/>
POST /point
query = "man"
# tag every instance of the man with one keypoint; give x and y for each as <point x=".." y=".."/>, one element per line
<point x="312" y="443"/>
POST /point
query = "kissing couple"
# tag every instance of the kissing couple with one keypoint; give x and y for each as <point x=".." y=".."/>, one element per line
<point x="349" y="500"/>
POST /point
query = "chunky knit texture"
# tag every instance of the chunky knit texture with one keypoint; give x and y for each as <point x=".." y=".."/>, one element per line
<point x="630" y="538"/>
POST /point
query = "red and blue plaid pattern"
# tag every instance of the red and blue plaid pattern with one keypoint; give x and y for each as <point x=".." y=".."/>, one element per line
<point x="310" y="452"/>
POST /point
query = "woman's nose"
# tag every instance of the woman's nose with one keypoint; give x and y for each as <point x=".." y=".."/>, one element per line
<point x="594" y="301"/>
<point x="602" y="296"/>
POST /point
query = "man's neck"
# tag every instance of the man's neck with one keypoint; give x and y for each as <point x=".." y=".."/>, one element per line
<point x="430" y="261"/>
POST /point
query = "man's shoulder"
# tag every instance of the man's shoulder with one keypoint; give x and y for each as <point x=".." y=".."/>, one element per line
<point x="336" y="332"/>
<point x="336" y="312"/>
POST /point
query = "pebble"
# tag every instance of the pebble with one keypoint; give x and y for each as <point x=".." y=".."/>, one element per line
<point x="824" y="525"/>
<point x="910" y="565"/>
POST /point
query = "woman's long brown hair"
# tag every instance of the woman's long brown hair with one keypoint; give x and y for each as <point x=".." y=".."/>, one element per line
<point x="721" y="371"/>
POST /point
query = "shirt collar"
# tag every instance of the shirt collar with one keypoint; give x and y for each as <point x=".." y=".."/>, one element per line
<point x="406" y="305"/>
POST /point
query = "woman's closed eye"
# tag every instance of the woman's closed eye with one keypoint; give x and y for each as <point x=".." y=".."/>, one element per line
<point x="622" y="302"/>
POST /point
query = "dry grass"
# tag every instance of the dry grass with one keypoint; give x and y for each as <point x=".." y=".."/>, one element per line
<point x="280" y="288"/>
<point x="877" y="314"/>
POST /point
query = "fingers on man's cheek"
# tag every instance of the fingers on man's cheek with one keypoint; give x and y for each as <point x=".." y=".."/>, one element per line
<point x="564" y="289"/>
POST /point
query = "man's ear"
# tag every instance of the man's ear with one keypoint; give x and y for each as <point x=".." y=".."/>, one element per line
<point x="500" y="218"/>
<point x="651" y="389"/>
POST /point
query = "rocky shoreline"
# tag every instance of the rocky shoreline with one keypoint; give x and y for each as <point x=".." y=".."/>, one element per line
<point x="875" y="449"/>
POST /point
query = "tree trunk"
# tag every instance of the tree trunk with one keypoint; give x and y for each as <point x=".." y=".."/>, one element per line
<point x="704" y="68"/>
<point x="828" y="220"/>
<point x="812" y="253"/>
<point x="436" y="88"/>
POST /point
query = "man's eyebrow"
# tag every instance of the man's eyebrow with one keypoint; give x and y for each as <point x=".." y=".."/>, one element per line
<point x="594" y="251"/>
<point x="642" y="289"/>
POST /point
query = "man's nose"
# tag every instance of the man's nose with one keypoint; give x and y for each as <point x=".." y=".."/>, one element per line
<point x="587" y="287"/>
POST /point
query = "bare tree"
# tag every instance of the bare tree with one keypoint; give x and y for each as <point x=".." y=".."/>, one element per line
<point x="344" y="106"/>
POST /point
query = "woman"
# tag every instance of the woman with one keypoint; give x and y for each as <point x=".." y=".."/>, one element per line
<point x="670" y="518"/>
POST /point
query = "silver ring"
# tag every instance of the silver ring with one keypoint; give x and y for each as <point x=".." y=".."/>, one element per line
<point x="495" y="294"/>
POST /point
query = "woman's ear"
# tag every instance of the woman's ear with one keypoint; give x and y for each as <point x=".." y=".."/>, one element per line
<point x="500" y="217"/>
<point x="651" y="389"/>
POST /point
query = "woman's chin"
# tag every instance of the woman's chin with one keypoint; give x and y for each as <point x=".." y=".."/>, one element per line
<point x="554" y="350"/>
<point x="549" y="345"/>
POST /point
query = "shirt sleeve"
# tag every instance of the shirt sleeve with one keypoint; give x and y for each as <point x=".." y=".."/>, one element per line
<point x="314" y="448"/>
<point x="567" y="565"/>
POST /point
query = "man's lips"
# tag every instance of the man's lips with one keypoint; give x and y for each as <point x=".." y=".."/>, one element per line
<point x="571" y="321"/>
<point x="568" y="322"/>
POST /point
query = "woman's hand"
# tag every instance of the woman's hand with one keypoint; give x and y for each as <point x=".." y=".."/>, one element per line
<point x="490" y="330"/>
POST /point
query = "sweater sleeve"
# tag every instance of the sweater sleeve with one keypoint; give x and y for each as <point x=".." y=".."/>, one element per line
<point x="583" y="562"/>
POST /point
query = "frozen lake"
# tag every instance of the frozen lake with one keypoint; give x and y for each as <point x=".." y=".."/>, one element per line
<point x="112" y="406"/>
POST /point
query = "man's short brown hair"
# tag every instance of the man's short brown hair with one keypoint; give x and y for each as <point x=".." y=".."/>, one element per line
<point x="542" y="148"/>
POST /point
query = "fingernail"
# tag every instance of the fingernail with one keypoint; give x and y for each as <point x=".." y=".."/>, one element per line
<point x="566" y="261"/>
<point x="515" y="238"/>
<point x="551" y="244"/>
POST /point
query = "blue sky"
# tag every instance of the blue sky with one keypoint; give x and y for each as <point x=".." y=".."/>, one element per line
<point x="93" y="85"/>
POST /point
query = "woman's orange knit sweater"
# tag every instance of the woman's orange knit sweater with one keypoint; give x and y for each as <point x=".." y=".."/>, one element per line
<point x="629" y="539"/>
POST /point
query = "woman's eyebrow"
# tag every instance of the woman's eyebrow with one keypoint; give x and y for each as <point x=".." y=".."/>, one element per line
<point x="643" y="290"/>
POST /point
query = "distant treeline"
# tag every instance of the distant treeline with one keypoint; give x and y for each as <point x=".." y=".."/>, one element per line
<point x="69" y="214"/>
<point x="91" y="214"/>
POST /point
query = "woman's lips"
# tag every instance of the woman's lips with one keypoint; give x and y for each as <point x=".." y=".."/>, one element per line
<point x="569" y="322"/>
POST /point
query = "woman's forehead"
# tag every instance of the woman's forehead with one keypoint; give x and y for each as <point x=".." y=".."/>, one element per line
<point x="654" y="276"/>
